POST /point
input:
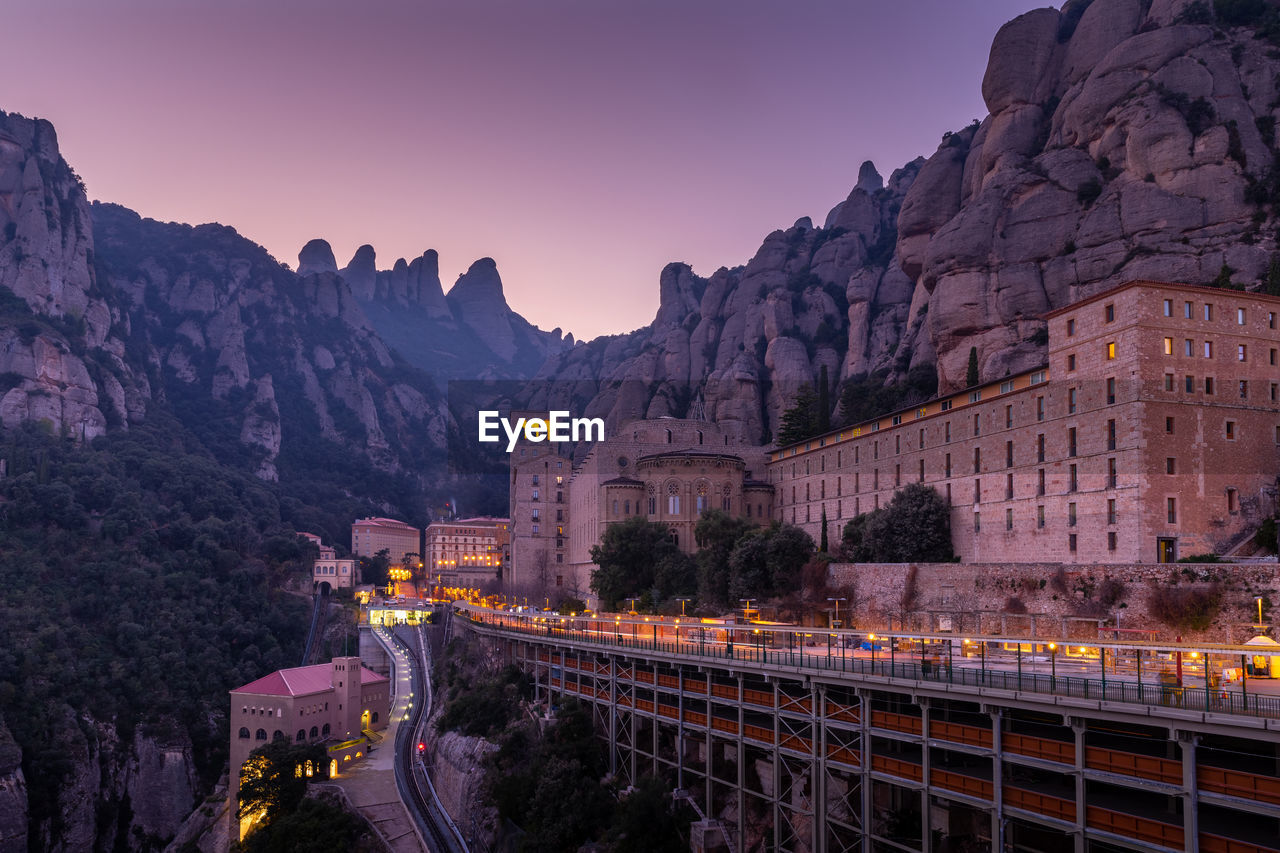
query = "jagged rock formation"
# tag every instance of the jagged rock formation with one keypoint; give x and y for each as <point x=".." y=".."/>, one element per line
<point x="1123" y="142"/>
<point x="470" y="334"/>
<point x="103" y="313"/>
<point x="1126" y="139"/>
<point x="749" y="336"/>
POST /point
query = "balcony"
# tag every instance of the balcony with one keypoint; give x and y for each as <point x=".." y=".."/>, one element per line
<point x="959" y="733"/>
<point x="1132" y="826"/>
<point x="1044" y="749"/>
<point x="1043" y="804"/>
<point x="896" y="722"/>
<point x="1145" y="767"/>
<point x="1235" y="783"/>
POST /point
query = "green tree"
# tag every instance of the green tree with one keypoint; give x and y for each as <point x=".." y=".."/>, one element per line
<point x="769" y="561"/>
<point x="376" y="569"/>
<point x="269" y="782"/>
<point x="716" y="533"/>
<point x="645" y="822"/>
<point x="315" y="827"/>
<point x="822" y="547"/>
<point x="675" y="573"/>
<point x="915" y="526"/>
<point x="627" y="555"/>
<point x="824" y="402"/>
<point x="801" y="420"/>
<point x="971" y="375"/>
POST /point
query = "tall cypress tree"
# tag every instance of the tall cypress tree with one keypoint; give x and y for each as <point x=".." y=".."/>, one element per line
<point x="971" y="378"/>
<point x="824" y="403"/>
<point x="822" y="547"/>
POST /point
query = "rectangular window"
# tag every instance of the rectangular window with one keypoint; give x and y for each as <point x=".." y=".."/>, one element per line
<point x="1071" y="401"/>
<point x="897" y="419"/>
<point x="1242" y="353"/>
<point x="1233" y="501"/>
<point x="945" y="406"/>
<point x="1208" y="349"/>
<point x="1008" y="487"/>
<point x="1040" y="480"/>
<point x="1111" y="511"/>
<point x="1040" y="447"/>
<point x="1272" y="357"/>
<point x="1109" y="314"/>
<point x="1071" y="542"/>
<point x="1271" y="319"/>
<point x="1111" y="391"/>
<point x="1168" y="308"/>
<point x="673" y="504"/>
<point x="1208" y="311"/>
<point x="977" y="491"/>
<point x="1111" y="351"/>
<point x="1275" y="391"/>
<point x="1168" y="346"/>
<point x="977" y="424"/>
<point x="1168" y="382"/>
<point x="1171" y="507"/>
<point x="1111" y="540"/>
<point x="948" y="465"/>
<point x="1170" y="465"/>
<point x="1244" y="389"/>
<point x="921" y="447"/>
<point x="1071" y="328"/>
<point x="946" y="432"/>
<point x="1008" y="454"/>
<point x="977" y="522"/>
<point x="1039" y="408"/>
<point x="1186" y="310"/>
<point x="1231" y="430"/>
<point x="1008" y="417"/>
<point x="1111" y="473"/>
<point x="1036" y="378"/>
<point x="1111" y="434"/>
<point x="1191" y="384"/>
<point x="921" y="470"/>
<point x="1188" y="347"/>
<point x="975" y="396"/>
<point x="1071" y="441"/>
<point x="1073" y="484"/>
<point x="1071" y="515"/>
<point x="1040" y="516"/>
<point x="1006" y="386"/>
<point x="1071" y="362"/>
<point x="897" y="475"/>
<point x="977" y="460"/>
<point x="1008" y="519"/>
<point x="897" y="444"/>
<point x="1208" y="385"/>
<point x="1239" y="316"/>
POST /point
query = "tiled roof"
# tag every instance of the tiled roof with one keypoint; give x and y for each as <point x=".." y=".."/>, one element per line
<point x="302" y="681"/>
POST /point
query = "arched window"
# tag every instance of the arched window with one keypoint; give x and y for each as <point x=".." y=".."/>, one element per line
<point x="702" y="498"/>
<point x="315" y="732"/>
<point x="302" y="735"/>
<point x="278" y="735"/>
<point x="261" y="734"/>
<point x="244" y="732"/>
<point x="325" y="730"/>
<point x="668" y="436"/>
<point x="374" y="716"/>
<point x="673" y="498"/>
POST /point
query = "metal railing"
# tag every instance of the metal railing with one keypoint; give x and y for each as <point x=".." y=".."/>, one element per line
<point x="1117" y="689"/>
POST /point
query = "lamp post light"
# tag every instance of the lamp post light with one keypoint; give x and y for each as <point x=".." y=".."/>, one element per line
<point x="748" y="607"/>
<point x="1259" y="600"/>
<point x="633" y="606"/>
<point x="682" y="604"/>
<point x="1053" y="662"/>
<point x="836" y="622"/>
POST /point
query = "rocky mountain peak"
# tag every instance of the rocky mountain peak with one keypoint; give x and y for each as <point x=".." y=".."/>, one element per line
<point x="480" y="285"/>
<point x="316" y="257"/>
<point x="869" y="180"/>
<point x="361" y="273"/>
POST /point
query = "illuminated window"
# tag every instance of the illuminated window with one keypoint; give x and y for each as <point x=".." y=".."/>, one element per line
<point x="1111" y="351"/>
<point x="1168" y="346"/>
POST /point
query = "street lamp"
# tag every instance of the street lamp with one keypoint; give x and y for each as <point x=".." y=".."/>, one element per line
<point x="1259" y="600"/>
<point x="1053" y="673"/>
<point x="748" y="607"/>
<point x="633" y="606"/>
<point x="682" y="603"/>
<point x="836" y="621"/>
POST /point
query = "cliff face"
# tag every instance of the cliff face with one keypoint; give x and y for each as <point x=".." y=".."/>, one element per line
<point x="1126" y="139"/>
<point x="471" y="333"/>
<point x="103" y="313"/>
<point x="811" y="297"/>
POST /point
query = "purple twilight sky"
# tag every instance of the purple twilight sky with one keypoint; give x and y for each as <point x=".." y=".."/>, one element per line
<point x="582" y="144"/>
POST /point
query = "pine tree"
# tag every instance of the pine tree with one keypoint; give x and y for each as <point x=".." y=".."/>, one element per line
<point x="971" y="377"/>
<point x="822" y="548"/>
<point x="824" y="402"/>
<point x="800" y="421"/>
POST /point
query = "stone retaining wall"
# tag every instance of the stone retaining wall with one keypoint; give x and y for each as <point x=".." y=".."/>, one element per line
<point x="1059" y="600"/>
